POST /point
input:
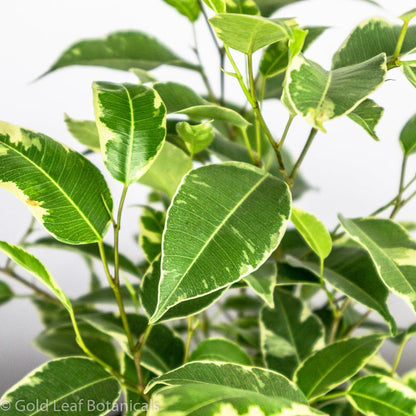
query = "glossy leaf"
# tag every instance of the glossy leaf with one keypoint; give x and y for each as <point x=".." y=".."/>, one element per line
<point x="318" y="95"/>
<point x="31" y="264"/>
<point x="263" y="281"/>
<point x="382" y="396"/>
<point x="151" y="225"/>
<point x="220" y="349"/>
<point x="90" y="251"/>
<point x="85" y="132"/>
<point x="289" y="333"/>
<point x="217" y="250"/>
<point x="352" y="271"/>
<point x="62" y="189"/>
<point x="142" y="75"/>
<point x="196" y="137"/>
<point x="367" y="115"/>
<point x="410" y="379"/>
<point x="313" y="231"/>
<point x="408" y="16"/>
<point x="64" y="386"/>
<point x="386" y="242"/>
<point x="149" y="297"/>
<point x="167" y="170"/>
<point x="248" y="34"/>
<point x="247" y="379"/>
<point x="408" y="137"/>
<point x="242" y="6"/>
<point x="188" y="8"/>
<point x="5" y="293"/>
<point x="335" y="364"/>
<point x="131" y="121"/>
<point x="371" y="38"/>
<point x="121" y="50"/>
<point x="275" y="59"/>
<point x="218" y="6"/>
<point x="212" y="400"/>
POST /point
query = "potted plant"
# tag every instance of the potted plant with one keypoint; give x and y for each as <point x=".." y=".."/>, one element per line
<point x="244" y="304"/>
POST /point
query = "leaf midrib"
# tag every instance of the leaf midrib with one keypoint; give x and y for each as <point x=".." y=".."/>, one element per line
<point x="330" y="369"/>
<point x="132" y="131"/>
<point x="219" y="227"/>
<point x="82" y="215"/>
<point x="371" y="398"/>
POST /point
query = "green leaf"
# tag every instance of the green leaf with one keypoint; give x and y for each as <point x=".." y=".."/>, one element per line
<point x="181" y="99"/>
<point x="131" y="121"/>
<point x="220" y="349"/>
<point x="188" y="8"/>
<point x="60" y="341"/>
<point x="382" y="396"/>
<point x="5" y="293"/>
<point x="248" y="34"/>
<point x="64" y="386"/>
<point x="149" y="297"/>
<point x="352" y="272"/>
<point x="367" y="115"/>
<point x="142" y="75"/>
<point x="151" y="225"/>
<point x="263" y="281"/>
<point x="247" y="379"/>
<point x="275" y="59"/>
<point x="242" y="6"/>
<point x="318" y="95"/>
<point x="410" y="72"/>
<point x="387" y="242"/>
<point x="62" y="189"/>
<point x="31" y="264"/>
<point x="197" y="138"/>
<point x="218" y="250"/>
<point x="289" y="333"/>
<point x="410" y="379"/>
<point x="371" y="38"/>
<point x="212" y="400"/>
<point x="85" y="132"/>
<point x="218" y="6"/>
<point x="164" y="349"/>
<point x="90" y="251"/>
<point x="335" y="364"/>
<point x="408" y="137"/>
<point x="167" y="170"/>
<point x="121" y="50"/>
<point x="313" y="231"/>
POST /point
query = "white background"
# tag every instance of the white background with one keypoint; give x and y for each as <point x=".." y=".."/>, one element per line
<point x="352" y="173"/>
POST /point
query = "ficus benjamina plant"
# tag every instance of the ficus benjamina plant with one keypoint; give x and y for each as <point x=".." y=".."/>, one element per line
<point x="244" y="303"/>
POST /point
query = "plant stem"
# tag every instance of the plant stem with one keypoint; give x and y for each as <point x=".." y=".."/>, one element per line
<point x="251" y="98"/>
<point x="305" y="150"/>
<point x="394" y="60"/>
<point x="220" y="50"/>
<point x="399" y="355"/>
<point x="80" y="341"/>
<point x="253" y="158"/>
<point x="191" y="329"/>
<point x="201" y="67"/>
<point x="252" y="89"/>
<point x="286" y="131"/>
<point x="399" y="198"/>
<point x="337" y="319"/>
<point x="45" y="295"/>
<point x="138" y="351"/>
<point x="117" y="227"/>
<point x="330" y="396"/>
<point x="358" y="323"/>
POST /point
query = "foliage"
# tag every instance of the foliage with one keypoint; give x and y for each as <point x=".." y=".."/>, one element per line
<point x="224" y="314"/>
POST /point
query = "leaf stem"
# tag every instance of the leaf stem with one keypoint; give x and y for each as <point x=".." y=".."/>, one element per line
<point x="191" y="329"/>
<point x="253" y="158"/>
<point x="399" y="355"/>
<point x="332" y="396"/>
<point x="399" y="198"/>
<point x="138" y="351"/>
<point x="286" y="131"/>
<point x="305" y="150"/>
